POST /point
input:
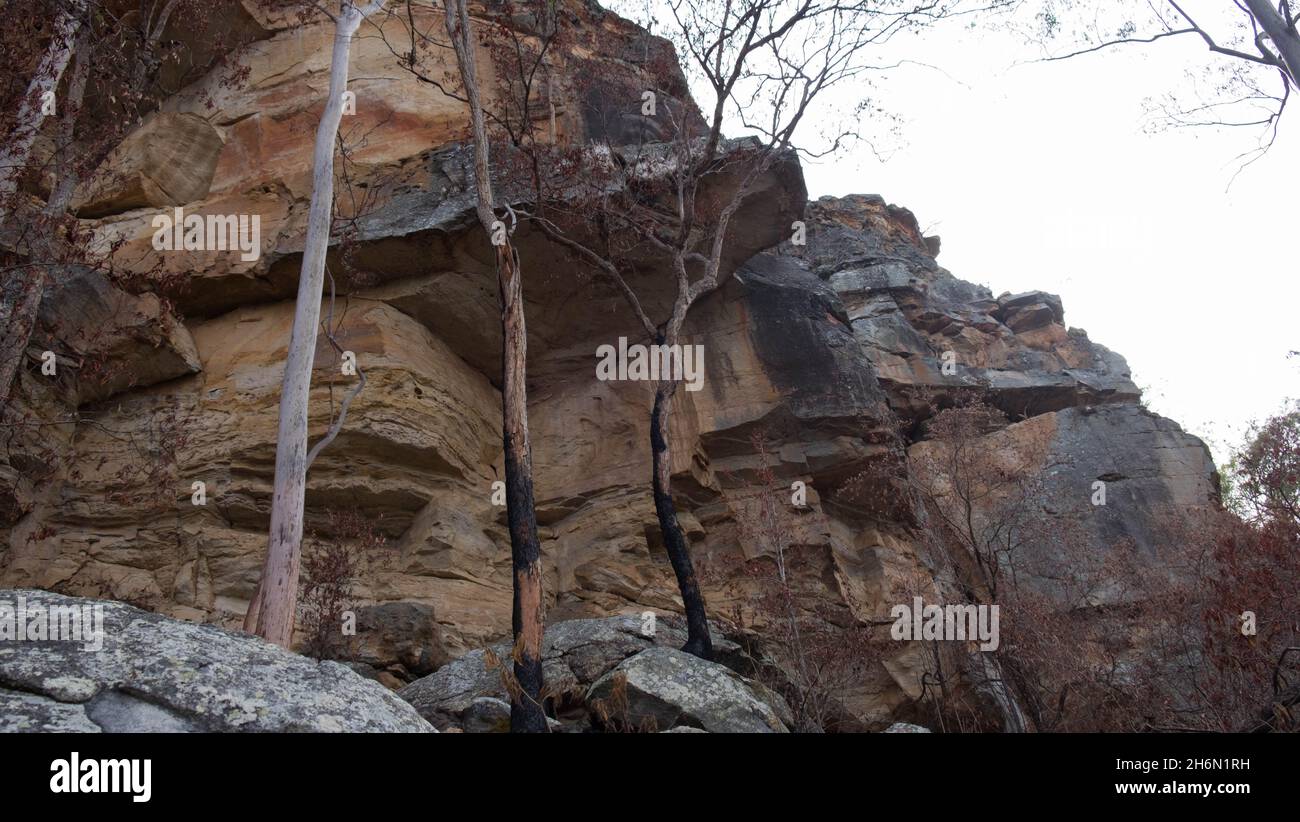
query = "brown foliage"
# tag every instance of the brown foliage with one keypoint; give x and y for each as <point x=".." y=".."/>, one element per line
<point x="809" y="652"/>
<point x="330" y="570"/>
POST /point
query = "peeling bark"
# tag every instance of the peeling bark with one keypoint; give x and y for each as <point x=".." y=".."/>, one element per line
<point x="528" y="613"/>
<point x="18" y="146"/>
<point x="277" y="597"/>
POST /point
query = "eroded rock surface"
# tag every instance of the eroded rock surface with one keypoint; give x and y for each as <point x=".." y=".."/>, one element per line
<point x="574" y="655"/>
<point x="823" y="353"/>
<point x="155" y="674"/>
<point x="663" y="688"/>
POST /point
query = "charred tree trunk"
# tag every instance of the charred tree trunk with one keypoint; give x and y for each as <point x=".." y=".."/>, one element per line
<point x="698" y="641"/>
<point x="527" y="619"/>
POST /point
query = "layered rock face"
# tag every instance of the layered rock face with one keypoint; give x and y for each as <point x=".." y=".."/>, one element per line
<point x="821" y="352"/>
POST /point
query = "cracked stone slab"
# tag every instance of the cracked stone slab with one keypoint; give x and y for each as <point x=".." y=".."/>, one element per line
<point x="33" y="713"/>
<point x="157" y="674"/>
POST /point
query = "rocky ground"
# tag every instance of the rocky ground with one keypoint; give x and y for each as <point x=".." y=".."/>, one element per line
<point x="160" y="675"/>
<point x="152" y="674"/>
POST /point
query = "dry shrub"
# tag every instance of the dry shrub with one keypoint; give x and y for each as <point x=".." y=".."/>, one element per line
<point x="515" y="691"/>
<point x="809" y="651"/>
<point x="330" y="569"/>
<point x="612" y="712"/>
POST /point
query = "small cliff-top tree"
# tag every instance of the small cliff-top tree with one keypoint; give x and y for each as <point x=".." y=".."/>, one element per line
<point x="763" y="66"/>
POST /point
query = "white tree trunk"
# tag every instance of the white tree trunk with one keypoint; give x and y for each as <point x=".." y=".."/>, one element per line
<point x="1014" y="720"/>
<point x="19" y="321"/>
<point x="277" y="597"/>
<point x="31" y="115"/>
<point x="1280" y="32"/>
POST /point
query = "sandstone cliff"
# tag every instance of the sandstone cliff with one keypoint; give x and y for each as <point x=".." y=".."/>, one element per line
<point x="825" y="349"/>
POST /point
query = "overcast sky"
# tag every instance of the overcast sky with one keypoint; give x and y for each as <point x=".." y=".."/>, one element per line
<point x="1045" y="176"/>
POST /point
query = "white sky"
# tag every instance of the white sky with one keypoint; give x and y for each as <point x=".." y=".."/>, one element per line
<point x="1042" y="176"/>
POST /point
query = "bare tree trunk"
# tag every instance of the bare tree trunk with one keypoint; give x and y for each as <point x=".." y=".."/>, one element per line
<point x="17" y="332"/>
<point x="528" y="613"/>
<point x="993" y="672"/>
<point x="698" y="641"/>
<point x="527" y="616"/>
<point x="13" y="348"/>
<point x="1281" y="32"/>
<point x="277" y="596"/>
<point x="17" y="148"/>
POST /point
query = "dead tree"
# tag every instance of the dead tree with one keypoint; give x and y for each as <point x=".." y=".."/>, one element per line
<point x="518" y="61"/>
<point x="31" y="114"/>
<point x="527" y="620"/>
<point x="273" y="610"/>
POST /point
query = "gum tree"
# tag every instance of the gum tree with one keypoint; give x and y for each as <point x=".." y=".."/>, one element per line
<point x="273" y="609"/>
<point x="520" y="63"/>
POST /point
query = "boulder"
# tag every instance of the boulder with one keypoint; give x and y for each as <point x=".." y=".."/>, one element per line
<point x="1034" y="315"/>
<point x="906" y="728"/>
<point x="574" y="655"/>
<point x="663" y="688"/>
<point x="1153" y="473"/>
<point x="1010" y="303"/>
<point x="116" y="341"/>
<point x="168" y="160"/>
<point x="486" y="714"/>
<point x="401" y="638"/>
<point x="150" y="673"/>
